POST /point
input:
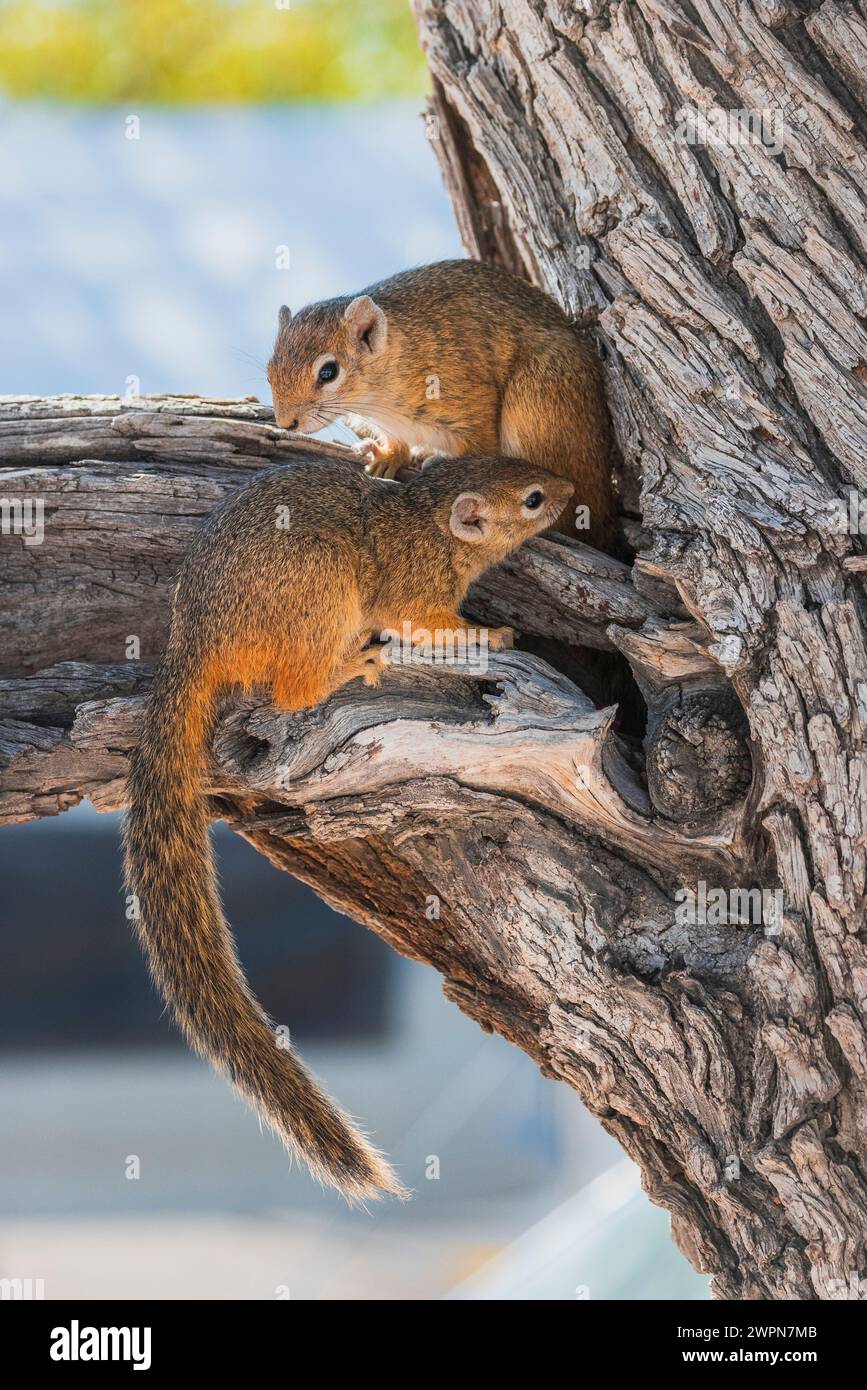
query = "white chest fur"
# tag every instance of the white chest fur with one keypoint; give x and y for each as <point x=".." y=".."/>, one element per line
<point x="421" y="434"/>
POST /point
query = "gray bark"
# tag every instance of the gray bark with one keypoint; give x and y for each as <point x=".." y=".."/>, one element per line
<point x="504" y="829"/>
<point x="724" y="278"/>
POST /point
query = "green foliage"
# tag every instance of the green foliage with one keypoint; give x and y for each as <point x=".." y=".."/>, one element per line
<point x="177" y="51"/>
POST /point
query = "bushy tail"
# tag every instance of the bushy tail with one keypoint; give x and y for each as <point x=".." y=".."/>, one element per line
<point x="180" y="923"/>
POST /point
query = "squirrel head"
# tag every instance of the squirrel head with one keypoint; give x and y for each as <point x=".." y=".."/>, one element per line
<point x="319" y="368"/>
<point x="488" y="505"/>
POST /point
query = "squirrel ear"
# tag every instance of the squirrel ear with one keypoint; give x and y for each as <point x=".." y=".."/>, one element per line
<point x="285" y="315"/>
<point x="368" y="322"/>
<point x="471" y="517"/>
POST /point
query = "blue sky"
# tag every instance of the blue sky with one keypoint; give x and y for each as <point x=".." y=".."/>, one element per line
<point x="155" y="258"/>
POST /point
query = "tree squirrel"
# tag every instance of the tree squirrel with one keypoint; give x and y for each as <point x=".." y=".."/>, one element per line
<point x="461" y="358"/>
<point x="282" y="590"/>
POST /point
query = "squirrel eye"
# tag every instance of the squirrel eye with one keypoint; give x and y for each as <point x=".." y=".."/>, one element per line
<point x="327" y="372"/>
<point x="534" y="501"/>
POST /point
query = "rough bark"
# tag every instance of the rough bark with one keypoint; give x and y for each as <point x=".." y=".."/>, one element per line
<point x="724" y="278"/>
<point x="504" y="829"/>
<point x="492" y="825"/>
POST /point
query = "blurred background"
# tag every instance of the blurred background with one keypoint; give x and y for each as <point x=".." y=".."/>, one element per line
<point x="170" y="172"/>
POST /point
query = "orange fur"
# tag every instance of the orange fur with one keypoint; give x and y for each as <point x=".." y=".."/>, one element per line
<point x="464" y="359"/>
<point x="279" y="594"/>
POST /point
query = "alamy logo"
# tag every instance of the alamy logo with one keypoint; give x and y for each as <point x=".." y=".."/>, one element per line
<point x="77" y="1343"/>
<point x="466" y="647"/>
<point x="714" y="907"/>
<point x="702" y="125"/>
<point x="848" y="514"/>
<point x="24" y="1289"/>
<point x="23" y="516"/>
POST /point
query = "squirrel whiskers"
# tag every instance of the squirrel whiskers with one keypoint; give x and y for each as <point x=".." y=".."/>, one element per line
<point x="457" y="358"/>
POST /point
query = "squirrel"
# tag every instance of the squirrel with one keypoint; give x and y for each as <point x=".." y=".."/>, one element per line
<point x="281" y="591"/>
<point x="460" y="357"/>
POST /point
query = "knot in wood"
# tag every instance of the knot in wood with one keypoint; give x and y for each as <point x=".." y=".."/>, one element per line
<point x="698" y="756"/>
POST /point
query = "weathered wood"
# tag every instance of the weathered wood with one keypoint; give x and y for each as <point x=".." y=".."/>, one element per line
<point x="413" y="807"/>
<point x="117" y="535"/>
<point x="726" y="281"/>
<point x="501" y="828"/>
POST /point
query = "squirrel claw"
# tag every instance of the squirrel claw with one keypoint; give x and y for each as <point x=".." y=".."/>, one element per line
<point x="371" y="663"/>
<point x="372" y="676"/>
<point x="366" y="664"/>
<point x="382" y="463"/>
<point x="501" y="639"/>
<point x="368" y="450"/>
<point x="384" y="468"/>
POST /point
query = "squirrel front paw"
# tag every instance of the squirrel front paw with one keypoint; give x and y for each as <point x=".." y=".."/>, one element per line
<point x="383" y="463"/>
<point x="501" y="639"/>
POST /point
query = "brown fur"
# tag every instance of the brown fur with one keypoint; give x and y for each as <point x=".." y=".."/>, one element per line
<point x="280" y="592"/>
<point x="466" y="359"/>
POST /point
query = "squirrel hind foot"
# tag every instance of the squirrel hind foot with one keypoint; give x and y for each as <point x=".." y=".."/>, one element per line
<point x="368" y="664"/>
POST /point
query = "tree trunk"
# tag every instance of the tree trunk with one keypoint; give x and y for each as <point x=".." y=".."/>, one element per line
<point x="690" y="181"/>
<point x="503" y="827"/>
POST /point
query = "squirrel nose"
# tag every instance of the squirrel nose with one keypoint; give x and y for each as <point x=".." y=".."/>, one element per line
<point x="293" y="426"/>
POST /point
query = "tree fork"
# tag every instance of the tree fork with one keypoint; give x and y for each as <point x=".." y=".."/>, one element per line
<point x="612" y="155"/>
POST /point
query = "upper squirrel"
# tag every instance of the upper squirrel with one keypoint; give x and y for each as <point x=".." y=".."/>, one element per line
<point x="281" y="591"/>
<point x="458" y="358"/>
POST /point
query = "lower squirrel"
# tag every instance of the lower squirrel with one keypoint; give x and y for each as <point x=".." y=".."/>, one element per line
<point x="459" y="357"/>
<point x="281" y="591"/>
